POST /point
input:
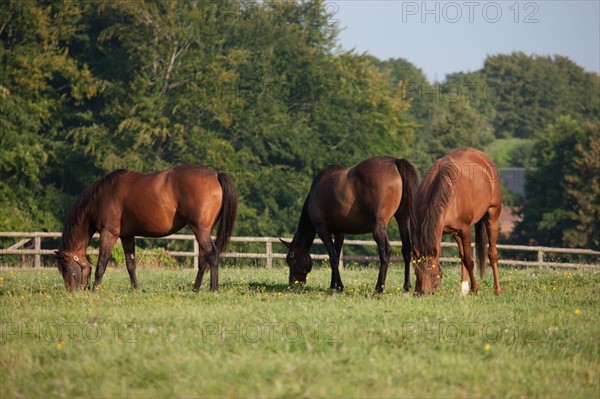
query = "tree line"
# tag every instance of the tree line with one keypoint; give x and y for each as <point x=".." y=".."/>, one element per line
<point x="263" y="91"/>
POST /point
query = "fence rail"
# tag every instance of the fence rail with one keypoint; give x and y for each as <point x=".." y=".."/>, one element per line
<point x="37" y="252"/>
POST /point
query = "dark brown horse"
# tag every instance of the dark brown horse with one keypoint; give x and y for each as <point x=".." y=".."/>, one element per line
<point x="126" y="204"/>
<point x="460" y="190"/>
<point x="357" y="200"/>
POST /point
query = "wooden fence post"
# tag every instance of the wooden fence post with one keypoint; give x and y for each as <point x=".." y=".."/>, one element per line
<point x="269" y="250"/>
<point x="37" y="245"/>
<point x="540" y="256"/>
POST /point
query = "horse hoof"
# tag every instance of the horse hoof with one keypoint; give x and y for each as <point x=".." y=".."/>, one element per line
<point x="464" y="288"/>
<point x="498" y="291"/>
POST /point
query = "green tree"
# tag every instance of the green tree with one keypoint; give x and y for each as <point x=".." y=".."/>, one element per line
<point x="561" y="203"/>
<point x="413" y="85"/>
<point x="521" y="94"/>
<point x="258" y="89"/>
<point x="456" y="124"/>
<point x="43" y="91"/>
<point x="582" y="188"/>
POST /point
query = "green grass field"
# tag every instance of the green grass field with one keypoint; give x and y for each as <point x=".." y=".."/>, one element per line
<point x="257" y="338"/>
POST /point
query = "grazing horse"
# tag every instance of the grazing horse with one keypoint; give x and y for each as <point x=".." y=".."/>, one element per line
<point x="125" y="204"/>
<point x="357" y="200"/>
<point x="460" y="190"/>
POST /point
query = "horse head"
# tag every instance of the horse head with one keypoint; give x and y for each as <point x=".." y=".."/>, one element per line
<point x="299" y="262"/>
<point x="74" y="270"/>
<point x="429" y="273"/>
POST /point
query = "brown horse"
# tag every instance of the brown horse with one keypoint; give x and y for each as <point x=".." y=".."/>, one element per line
<point x="460" y="190"/>
<point x="126" y="204"/>
<point x="357" y="200"/>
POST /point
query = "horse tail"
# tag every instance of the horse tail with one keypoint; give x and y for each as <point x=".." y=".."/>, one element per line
<point x="228" y="211"/>
<point x="410" y="184"/>
<point x="481" y="245"/>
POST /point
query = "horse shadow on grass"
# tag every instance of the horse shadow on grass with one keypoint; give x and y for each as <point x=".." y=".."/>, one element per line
<point x="281" y="287"/>
<point x="262" y="287"/>
<point x="251" y="286"/>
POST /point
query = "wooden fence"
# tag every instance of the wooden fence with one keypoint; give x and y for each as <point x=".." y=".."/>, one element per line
<point x="541" y="253"/>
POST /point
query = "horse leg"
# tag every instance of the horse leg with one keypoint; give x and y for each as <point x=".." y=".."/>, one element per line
<point x="464" y="285"/>
<point x="404" y="227"/>
<point x="492" y="230"/>
<point x="385" y="249"/>
<point x="199" y="277"/>
<point x="107" y="242"/>
<point x="208" y="258"/>
<point x="214" y="271"/>
<point x="338" y="240"/>
<point x="129" y="249"/>
<point x="336" y="279"/>
<point x="465" y="236"/>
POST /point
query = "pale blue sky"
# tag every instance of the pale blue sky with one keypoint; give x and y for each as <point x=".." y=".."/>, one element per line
<point x="442" y="37"/>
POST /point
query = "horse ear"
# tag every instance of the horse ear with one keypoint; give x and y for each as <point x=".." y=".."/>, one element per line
<point x="286" y="243"/>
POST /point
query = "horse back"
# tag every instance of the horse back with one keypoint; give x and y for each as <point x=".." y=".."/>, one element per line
<point x="350" y="200"/>
<point x="477" y="183"/>
<point x="160" y="203"/>
<point x="377" y="185"/>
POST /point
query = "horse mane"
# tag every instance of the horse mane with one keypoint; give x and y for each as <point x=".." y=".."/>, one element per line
<point x="430" y="203"/>
<point x="81" y="206"/>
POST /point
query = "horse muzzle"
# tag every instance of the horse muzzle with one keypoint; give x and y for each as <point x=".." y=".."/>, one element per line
<point x="294" y="282"/>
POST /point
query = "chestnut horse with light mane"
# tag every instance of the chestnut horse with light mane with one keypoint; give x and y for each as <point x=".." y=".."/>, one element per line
<point x="460" y="190"/>
<point x="125" y="204"/>
<point x="357" y="200"/>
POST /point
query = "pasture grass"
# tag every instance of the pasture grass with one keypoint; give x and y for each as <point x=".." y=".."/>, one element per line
<point x="257" y="338"/>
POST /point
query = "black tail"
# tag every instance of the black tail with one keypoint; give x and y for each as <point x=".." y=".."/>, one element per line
<point x="481" y="245"/>
<point x="410" y="183"/>
<point x="228" y="212"/>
